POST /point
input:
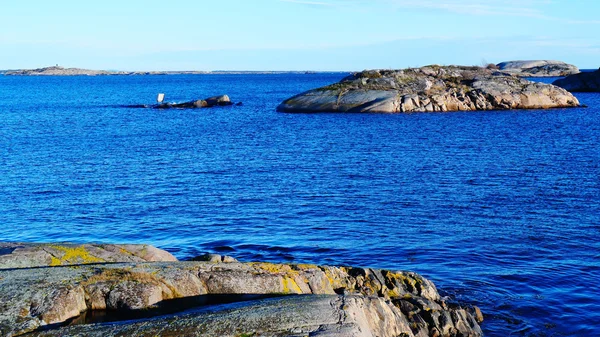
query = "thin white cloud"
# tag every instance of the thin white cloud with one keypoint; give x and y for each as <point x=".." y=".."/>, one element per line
<point x="310" y="3"/>
<point x="534" y="9"/>
<point x="525" y="8"/>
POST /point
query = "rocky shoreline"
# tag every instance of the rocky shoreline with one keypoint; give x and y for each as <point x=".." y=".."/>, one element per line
<point x="46" y="288"/>
<point x="430" y="89"/>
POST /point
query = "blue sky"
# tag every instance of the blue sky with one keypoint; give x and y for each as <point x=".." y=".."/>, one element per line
<point x="294" y="34"/>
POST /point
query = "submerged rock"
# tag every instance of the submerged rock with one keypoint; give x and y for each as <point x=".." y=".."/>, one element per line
<point x="538" y="68"/>
<point x="429" y="89"/>
<point x="582" y="82"/>
<point x="339" y="301"/>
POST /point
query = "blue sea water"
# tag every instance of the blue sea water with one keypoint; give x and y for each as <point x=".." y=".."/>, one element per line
<point x="500" y="209"/>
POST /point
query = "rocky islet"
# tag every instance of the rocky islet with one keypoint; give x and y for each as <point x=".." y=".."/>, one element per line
<point x="430" y="89"/>
<point x="582" y="82"/>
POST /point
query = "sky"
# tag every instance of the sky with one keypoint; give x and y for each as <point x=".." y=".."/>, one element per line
<point x="320" y="35"/>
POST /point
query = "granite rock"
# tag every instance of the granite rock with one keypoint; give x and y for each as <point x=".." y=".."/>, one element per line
<point x="315" y="300"/>
<point x="582" y="82"/>
<point x="429" y="89"/>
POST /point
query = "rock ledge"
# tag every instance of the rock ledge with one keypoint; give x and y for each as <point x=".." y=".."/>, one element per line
<point x="336" y="301"/>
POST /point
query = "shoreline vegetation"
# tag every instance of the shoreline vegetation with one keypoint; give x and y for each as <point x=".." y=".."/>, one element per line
<point x="57" y="289"/>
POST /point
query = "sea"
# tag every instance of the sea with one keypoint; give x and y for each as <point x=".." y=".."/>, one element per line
<point x="500" y="209"/>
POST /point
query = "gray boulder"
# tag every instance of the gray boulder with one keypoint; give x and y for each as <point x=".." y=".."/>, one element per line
<point x="538" y="68"/>
<point x="429" y="89"/>
<point x="582" y="82"/>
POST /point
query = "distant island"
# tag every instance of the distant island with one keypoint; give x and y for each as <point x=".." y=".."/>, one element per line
<point x="529" y="68"/>
<point x="537" y="68"/>
<point x="61" y="71"/>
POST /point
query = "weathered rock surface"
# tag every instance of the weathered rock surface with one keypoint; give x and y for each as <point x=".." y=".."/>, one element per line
<point x="319" y="315"/>
<point x="582" y="82"/>
<point x="538" y="68"/>
<point x="357" y="301"/>
<point x="27" y="255"/>
<point x="429" y="89"/>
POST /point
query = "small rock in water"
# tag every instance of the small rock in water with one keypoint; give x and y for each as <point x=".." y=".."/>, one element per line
<point x="208" y="257"/>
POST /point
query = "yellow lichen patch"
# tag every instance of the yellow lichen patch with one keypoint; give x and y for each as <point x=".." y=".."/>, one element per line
<point x="290" y="286"/>
<point x="392" y="293"/>
<point x="54" y="261"/>
<point x="338" y="277"/>
<point x="274" y="268"/>
<point x="330" y="278"/>
<point x="75" y="255"/>
<point x="304" y="266"/>
<point x="124" y="251"/>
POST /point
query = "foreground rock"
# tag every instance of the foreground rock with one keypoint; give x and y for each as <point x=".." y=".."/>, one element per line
<point x="339" y="301"/>
<point x="538" y="68"/>
<point x="429" y="89"/>
<point x="582" y="82"/>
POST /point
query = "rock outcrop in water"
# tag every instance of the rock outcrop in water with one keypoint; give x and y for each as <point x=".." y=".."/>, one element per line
<point x="538" y="68"/>
<point x="429" y="89"/>
<point x="222" y="100"/>
<point x="582" y="82"/>
<point x="336" y="301"/>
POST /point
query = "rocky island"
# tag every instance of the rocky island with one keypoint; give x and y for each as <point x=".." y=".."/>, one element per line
<point x="60" y="71"/>
<point x="538" y="68"/>
<point x="582" y="82"/>
<point x="429" y="89"/>
<point x="138" y="290"/>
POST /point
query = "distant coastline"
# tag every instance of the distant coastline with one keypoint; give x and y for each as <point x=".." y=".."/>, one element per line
<point x="60" y="71"/>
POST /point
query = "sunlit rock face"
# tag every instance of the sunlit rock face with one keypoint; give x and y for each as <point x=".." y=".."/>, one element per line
<point x="430" y="89"/>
